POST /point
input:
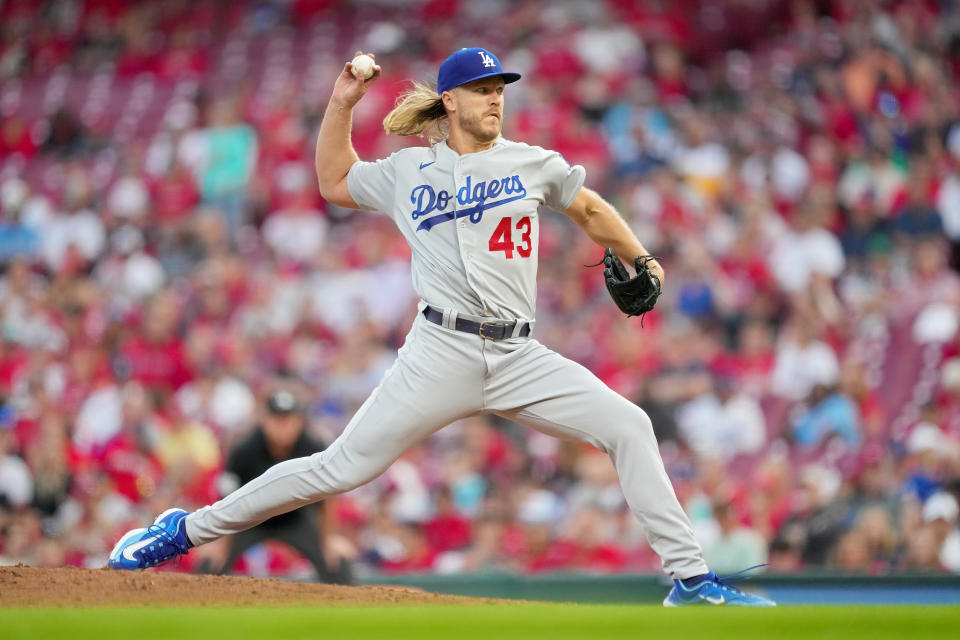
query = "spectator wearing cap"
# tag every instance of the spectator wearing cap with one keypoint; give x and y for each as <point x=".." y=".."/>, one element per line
<point x="281" y="436"/>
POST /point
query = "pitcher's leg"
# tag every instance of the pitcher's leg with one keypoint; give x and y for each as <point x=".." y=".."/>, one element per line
<point x="547" y="392"/>
<point x="370" y="443"/>
<point x="417" y="396"/>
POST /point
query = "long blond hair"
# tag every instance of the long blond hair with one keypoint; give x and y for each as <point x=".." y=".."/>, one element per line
<point x="419" y="111"/>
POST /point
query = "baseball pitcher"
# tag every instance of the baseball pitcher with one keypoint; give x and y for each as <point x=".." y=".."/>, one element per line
<point x="469" y="208"/>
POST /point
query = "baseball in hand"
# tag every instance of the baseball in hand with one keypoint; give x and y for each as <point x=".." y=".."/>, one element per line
<point x="362" y="66"/>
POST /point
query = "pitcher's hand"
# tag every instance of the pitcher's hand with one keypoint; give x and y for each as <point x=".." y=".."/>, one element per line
<point x="349" y="89"/>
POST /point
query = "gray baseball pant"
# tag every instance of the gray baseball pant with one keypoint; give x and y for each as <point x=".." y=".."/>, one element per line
<point x="442" y="375"/>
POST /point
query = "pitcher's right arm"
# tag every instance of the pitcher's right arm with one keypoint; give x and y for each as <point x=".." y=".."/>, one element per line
<point x="335" y="154"/>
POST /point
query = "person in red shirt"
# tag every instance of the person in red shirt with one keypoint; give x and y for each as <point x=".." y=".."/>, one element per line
<point x="128" y="457"/>
<point x="447" y="530"/>
<point x="174" y="195"/>
<point x="15" y="138"/>
<point x="156" y="357"/>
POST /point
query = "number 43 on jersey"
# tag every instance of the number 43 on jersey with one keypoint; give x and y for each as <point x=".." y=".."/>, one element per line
<point x="502" y="238"/>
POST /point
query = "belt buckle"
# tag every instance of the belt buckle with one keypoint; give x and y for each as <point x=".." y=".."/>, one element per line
<point x="481" y="333"/>
<point x="505" y="327"/>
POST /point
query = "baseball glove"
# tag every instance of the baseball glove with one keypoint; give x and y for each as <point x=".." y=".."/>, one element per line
<point x="634" y="296"/>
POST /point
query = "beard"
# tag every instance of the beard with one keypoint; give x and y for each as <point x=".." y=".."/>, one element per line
<point x="478" y="126"/>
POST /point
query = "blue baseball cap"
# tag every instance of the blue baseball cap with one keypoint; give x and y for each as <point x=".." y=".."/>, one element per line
<point x="468" y="65"/>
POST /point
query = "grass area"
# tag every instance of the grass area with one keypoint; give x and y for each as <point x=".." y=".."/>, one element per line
<point x="496" y="622"/>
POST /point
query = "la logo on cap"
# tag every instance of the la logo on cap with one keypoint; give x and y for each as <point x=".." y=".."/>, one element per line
<point x="487" y="60"/>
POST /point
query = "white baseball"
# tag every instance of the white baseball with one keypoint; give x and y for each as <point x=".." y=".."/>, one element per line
<point x="362" y="64"/>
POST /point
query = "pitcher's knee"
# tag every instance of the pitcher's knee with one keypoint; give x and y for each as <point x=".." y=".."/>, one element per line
<point x="338" y="474"/>
<point x="643" y="423"/>
<point x="635" y="427"/>
<point x="356" y="477"/>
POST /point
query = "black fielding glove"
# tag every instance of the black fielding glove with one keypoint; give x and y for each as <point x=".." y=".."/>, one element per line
<point x="634" y="296"/>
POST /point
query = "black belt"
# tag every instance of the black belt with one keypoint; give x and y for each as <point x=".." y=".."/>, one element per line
<point x="493" y="330"/>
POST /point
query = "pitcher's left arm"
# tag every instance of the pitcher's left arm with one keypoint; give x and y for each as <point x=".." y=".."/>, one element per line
<point x="605" y="226"/>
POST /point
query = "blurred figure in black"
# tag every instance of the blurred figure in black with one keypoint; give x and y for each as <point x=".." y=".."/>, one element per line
<point x="281" y="436"/>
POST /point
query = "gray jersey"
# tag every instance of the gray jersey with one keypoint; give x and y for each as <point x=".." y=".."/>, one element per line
<point x="470" y="220"/>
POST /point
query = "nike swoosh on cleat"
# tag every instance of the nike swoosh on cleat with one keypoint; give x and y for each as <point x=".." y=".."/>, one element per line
<point x="424" y="165"/>
<point x="132" y="549"/>
<point x="713" y="600"/>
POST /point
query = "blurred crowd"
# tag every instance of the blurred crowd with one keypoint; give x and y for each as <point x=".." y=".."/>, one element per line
<point x="166" y="258"/>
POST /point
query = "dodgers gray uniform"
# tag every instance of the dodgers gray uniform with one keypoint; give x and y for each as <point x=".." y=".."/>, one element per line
<point x="472" y="224"/>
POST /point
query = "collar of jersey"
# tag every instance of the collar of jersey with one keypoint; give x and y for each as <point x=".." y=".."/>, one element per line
<point x="442" y="149"/>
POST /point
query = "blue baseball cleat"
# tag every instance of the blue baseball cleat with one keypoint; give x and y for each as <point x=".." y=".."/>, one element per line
<point x="162" y="541"/>
<point x="712" y="590"/>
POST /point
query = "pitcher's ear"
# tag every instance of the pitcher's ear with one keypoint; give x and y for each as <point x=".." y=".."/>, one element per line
<point x="448" y="100"/>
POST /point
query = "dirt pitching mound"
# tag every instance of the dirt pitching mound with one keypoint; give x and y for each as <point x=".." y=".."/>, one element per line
<point x="71" y="587"/>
